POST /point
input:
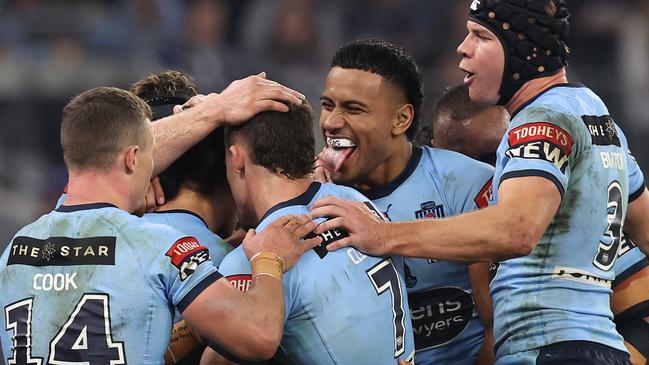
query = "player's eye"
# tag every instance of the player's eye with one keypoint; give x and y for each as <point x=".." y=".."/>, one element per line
<point x="328" y="106"/>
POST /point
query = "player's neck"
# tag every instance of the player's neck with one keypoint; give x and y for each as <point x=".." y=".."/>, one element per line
<point x="215" y="215"/>
<point x="95" y="186"/>
<point x="534" y="87"/>
<point x="390" y="169"/>
<point x="269" y="189"/>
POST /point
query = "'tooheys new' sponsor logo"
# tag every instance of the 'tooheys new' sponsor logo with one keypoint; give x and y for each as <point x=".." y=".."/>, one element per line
<point x="541" y="141"/>
<point x="240" y="281"/>
<point x="186" y="254"/>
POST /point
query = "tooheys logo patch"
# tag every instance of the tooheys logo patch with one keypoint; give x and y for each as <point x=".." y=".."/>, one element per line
<point x="240" y="281"/>
<point x="541" y="141"/>
<point x="186" y="254"/>
<point x="485" y="195"/>
<point x="439" y="315"/>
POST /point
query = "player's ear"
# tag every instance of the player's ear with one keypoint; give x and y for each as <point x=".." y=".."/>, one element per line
<point x="236" y="158"/>
<point x="403" y="119"/>
<point x="130" y="158"/>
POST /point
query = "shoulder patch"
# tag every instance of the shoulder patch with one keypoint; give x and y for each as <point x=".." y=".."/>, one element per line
<point x="541" y="141"/>
<point x="186" y="254"/>
<point x="484" y="195"/>
<point x="602" y="130"/>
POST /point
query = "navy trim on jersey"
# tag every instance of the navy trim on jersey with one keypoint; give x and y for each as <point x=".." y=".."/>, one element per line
<point x="637" y="194"/>
<point x="76" y="208"/>
<point x="197" y="289"/>
<point x="567" y="84"/>
<point x="539" y="173"/>
<point x="632" y="270"/>
<point x="302" y="199"/>
<point x="379" y="192"/>
<point x="181" y="211"/>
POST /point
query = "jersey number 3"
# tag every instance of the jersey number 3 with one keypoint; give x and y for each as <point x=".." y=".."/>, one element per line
<point x="85" y="337"/>
<point x="384" y="277"/>
<point x="607" y="251"/>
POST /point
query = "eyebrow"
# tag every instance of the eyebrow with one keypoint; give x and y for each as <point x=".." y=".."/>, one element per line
<point x="347" y="103"/>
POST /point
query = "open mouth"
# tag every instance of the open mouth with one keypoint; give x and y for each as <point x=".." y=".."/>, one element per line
<point x="468" y="79"/>
<point x="337" y="152"/>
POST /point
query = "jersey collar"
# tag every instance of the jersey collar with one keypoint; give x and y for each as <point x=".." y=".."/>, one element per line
<point x="302" y="199"/>
<point x="379" y="192"/>
<point x="79" y="207"/>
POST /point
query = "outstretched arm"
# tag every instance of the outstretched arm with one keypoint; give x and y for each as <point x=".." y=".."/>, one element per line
<point x="512" y="228"/>
<point x="239" y="102"/>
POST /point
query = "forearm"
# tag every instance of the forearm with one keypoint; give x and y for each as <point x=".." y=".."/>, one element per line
<point x="249" y="325"/>
<point x="176" y="134"/>
<point x="491" y="234"/>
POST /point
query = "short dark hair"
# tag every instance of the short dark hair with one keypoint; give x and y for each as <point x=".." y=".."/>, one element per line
<point x="393" y="63"/>
<point x="97" y="124"/>
<point x="454" y="102"/>
<point x="202" y="168"/>
<point x="280" y="142"/>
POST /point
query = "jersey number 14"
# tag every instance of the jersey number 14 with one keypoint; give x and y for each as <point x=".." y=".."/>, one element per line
<point x="85" y="338"/>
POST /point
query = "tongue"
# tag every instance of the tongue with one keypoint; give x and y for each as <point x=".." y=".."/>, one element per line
<point x="333" y="158"/>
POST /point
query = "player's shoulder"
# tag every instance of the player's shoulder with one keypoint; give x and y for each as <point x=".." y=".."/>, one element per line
<point x="235" y="262"/>
<point x="341" y="191"/>
<point x="155" y="237"/>
<point x="446" y="164"/>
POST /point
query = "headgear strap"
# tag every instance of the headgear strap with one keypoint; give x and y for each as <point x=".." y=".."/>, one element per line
<point x="534" y="42"/>
<point x="162" y="106"/>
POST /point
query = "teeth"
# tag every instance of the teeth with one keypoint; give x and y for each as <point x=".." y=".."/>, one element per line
<point x="340" y="142"/>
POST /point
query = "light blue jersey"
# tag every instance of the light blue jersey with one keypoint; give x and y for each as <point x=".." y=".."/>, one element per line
<point x="630" y="258"/>
<point x="93" y="283"/>
<point x="560" y="292"/>
<point x="436" y="184"/>
<point x="191" y="224"/>
<point x="342" y="307"/>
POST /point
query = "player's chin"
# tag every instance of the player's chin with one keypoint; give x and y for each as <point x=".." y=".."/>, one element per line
<point x="139" y="211"/>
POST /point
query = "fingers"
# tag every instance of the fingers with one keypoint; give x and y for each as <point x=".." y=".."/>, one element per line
<point x="345" y="242"/>
<point x="329" y="200"/>
<point x="250" y="234"/>
<point x="401" y="362"/>
<point x="330" y="224"/>
<point x="149" y="200"/>
<point x="193" y="101"/>
<point x="292" y="224"/>
<point x="264" y="105"/>
<point x="305" y="228"/>
<point x="310" y="243"/>
<point x="283" y="220"/>
<point x="157" y="189"/>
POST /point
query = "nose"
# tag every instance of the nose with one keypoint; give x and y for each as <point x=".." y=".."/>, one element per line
<point x="463" y="48"/>
<point x="331" y="120"/>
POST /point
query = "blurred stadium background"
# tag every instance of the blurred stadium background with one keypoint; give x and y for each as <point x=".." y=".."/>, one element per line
<point x="51" y="50"/>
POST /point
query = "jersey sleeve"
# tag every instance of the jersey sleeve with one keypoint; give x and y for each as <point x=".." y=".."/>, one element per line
<point x="545" y="143"/>
<point x="636" y="177"/>
<point x="186" y="271"/>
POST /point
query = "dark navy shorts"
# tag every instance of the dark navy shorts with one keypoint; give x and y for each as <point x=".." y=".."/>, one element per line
<point x="568" y="353"/>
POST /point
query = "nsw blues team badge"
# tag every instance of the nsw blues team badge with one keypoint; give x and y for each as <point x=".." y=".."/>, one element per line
<point x="430" y="210"/>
